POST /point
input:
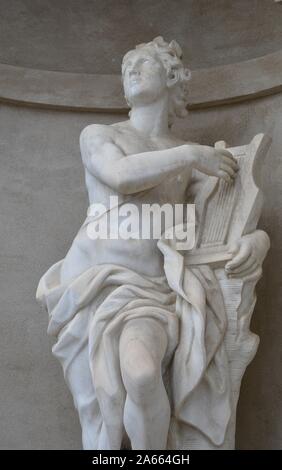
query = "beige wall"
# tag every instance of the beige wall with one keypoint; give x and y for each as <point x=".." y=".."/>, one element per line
<point x="92" y="35"/>
<point x="43" y="199"/>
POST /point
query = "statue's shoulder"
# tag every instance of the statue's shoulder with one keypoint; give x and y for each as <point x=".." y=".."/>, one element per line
<point x="101" y="132"/>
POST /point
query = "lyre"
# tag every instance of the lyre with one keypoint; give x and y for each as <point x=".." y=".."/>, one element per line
<point x="227" y="211"/>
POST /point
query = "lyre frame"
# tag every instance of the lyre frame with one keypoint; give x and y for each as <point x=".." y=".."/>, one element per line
<point x="227" y="211"/>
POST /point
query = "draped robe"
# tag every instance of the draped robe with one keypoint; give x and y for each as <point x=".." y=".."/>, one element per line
<point x="87" y="316"/>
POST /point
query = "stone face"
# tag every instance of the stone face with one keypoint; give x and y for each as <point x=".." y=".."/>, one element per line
<point x="183" y="318"/>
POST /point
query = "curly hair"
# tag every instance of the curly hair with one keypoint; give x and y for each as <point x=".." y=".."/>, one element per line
<point x="170" y="54"/>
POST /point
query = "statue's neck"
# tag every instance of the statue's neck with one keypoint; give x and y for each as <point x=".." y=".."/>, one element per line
<point x="151" y="119"/>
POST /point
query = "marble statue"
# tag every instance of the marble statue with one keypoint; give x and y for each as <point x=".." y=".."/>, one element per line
<point x="154" y="341"/>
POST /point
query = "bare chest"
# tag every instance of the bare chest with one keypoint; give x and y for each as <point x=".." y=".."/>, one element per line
<point x="133" y="144"/>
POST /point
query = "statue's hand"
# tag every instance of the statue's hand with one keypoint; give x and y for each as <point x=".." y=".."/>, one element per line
<point x="248" y="255"/>
<point x="215" y="162"/>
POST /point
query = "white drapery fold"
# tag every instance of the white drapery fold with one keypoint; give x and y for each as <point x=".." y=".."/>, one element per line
<point x="90" y="312"/>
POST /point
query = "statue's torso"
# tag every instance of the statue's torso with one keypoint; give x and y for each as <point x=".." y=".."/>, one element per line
<point x="139" y="255"/>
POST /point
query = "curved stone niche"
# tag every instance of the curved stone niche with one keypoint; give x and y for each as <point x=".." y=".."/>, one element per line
<point x="103" y="93"/>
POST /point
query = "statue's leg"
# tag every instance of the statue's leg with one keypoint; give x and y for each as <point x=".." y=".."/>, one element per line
<point x="79" y="380"/>
<point x="143" y="344"/>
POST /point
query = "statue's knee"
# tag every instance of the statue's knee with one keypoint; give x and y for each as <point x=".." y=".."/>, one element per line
<point x="145" y="377"/>
<point x="140" y="380"/>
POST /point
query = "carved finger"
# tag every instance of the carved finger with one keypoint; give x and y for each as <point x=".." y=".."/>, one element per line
<point x="227" y="154"/>
<point x="232" y="162"/>
<point x="246" y="273"/>
<point x="225" y="176"/>
<point x="228" y="158"/>
<point x="254" y="276"/>
<point x="249" y="264"/>
<point x="228" y="169"/>
<point x="240" y="258"/>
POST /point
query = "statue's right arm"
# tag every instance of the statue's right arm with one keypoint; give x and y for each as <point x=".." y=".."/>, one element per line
<point x="133" y="173"/>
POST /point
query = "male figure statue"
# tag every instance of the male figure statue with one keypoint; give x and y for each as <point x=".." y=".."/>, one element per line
<point x="120" y="338"/>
